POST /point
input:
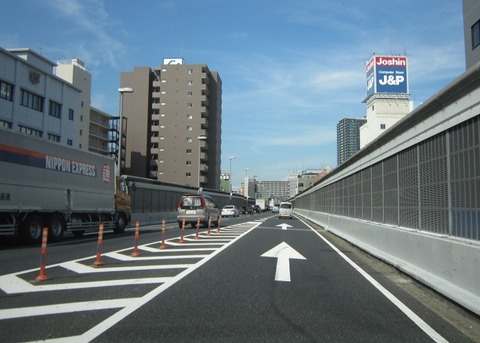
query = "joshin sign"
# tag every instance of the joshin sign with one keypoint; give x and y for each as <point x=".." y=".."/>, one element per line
<point x="389" y="75"/>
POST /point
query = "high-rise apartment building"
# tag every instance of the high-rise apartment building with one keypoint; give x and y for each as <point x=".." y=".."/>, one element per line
<point x="173" y="120"/>
<point x="348" y="138"/>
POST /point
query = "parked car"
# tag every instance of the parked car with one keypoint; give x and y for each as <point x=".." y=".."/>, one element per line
<point x="257" y="208"/>
<point x="193" y="207"/>
<point x="230" y="211"/>
<point x="285" y="210"/>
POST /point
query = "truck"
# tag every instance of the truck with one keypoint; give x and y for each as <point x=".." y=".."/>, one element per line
<point x="45" y="184"/>
<point x="261" y="203"/>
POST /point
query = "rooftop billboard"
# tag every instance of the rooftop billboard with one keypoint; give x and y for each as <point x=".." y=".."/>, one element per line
<point x="387" y="74"/>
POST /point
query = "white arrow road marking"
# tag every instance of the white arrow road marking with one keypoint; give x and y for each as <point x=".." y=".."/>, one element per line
<point x="283" y="253"/>
<point x="284" y="226"/>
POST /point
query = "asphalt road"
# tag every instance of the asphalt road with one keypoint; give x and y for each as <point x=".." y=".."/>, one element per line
<point x="255" y="280"/>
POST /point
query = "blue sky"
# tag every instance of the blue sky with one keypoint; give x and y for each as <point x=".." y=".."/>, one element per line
<point x="290" y="69"/>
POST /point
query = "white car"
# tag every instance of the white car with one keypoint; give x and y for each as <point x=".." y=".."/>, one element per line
<point x="285" y="210"/>
<point x="230" y="210"/>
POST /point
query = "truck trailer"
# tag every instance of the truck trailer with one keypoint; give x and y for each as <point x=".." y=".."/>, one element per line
<point x="45" y="184"/>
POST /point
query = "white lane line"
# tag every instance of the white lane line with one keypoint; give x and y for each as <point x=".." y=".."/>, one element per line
<point x="404" y="308"/>
<point x="220" y="240"/>
<point x="157" y="250"/>
<point x="194" y="244"/>
<point x="122" y="257"/>
<point x="121" y="314"/>
<point x="12" y="284"/>
<point x="65" y="308"/>
<point x="84" y="269"/>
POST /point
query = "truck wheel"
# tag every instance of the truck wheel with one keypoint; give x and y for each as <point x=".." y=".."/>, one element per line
<point x="120" y="223"/>
<point x="32" y="229"/>
<point x="56" y="227"/>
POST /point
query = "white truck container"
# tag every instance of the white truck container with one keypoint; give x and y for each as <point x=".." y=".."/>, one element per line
<point x="261" y="203"/>
<point x="44" y="184"/>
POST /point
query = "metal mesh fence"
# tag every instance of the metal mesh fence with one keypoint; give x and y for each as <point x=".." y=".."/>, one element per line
<point x="432" y="186"/>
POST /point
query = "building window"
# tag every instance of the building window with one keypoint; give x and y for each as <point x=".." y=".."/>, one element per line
<point x="6" y="91"/>
<point x="189" y="163"/>
<point x="188" y="174"/>
<point x="55" y="109"/>
<point x="53" y="138"/>
<point x="70" y="114"/>
<point x="81" y="117"/>
<point x="29" y="131"/>
<point x="33" y="101"/>
<point x="69" y="142"/>
<point x="189" y="139"/>
<point x="189" y="151"/>
<point x="189" y="128"/>
<point x="189" y="116"/>
<point x="190" y="71"/>
<point x="476" y="35"/>
<point x="189" y="93"/>
<point x="190" y="82"/>
<point x="162" y="138"/>
<point x="189" y="105"/>
<point x="5" y="124"/>
<point x="382" y="126"/>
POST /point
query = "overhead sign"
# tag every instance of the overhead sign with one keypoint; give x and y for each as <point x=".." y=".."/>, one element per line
<point x="387" y="74"/>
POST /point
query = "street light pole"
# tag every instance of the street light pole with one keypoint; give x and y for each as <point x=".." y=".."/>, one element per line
<point x="230" y="176"/>
<point x="120" y="129"/>
<point x="246" y="183"/>
<point x="200" y="139"/>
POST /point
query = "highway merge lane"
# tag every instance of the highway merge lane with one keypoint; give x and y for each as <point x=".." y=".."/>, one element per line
<point x="281" y="282"/>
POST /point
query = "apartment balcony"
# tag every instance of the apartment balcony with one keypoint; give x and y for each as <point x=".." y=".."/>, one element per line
<point x="155" y="116"/>
<point x="155" y="128"/>
<point x="204" y="124"/>
<point x="156" y="83"/>
<point x="203" y="179"/>
<point x="156" y="94"/>
<point x="154" y="139"/>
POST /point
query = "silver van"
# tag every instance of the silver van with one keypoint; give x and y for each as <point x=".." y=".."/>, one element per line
<point x="191" y="207"/>
<point x="285" y="210"/>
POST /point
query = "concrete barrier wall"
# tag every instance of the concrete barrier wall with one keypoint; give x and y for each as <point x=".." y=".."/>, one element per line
<point x="449" y="265"/>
